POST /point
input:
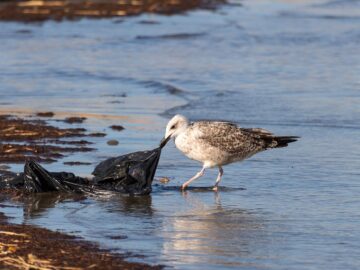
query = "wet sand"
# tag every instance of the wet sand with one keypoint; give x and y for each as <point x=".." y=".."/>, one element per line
<point x="32" y="11"/>
<point x="30" y="247"/>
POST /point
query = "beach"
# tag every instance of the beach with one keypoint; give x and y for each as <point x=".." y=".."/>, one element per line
<point x="290" y="67"/>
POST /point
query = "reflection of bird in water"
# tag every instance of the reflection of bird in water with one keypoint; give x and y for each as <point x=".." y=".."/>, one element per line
<point x="207" y="233"/>
<point x="216" y="143"/>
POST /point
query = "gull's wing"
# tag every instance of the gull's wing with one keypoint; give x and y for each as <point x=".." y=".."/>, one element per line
<point x="229" y="137"/>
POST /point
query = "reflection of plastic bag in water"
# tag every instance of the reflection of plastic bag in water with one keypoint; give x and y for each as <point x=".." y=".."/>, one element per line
<point x="132" y="173"/>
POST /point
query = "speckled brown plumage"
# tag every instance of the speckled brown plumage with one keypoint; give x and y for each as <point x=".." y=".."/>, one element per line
<point x="225" y="142"/>
<point x="217" y="143"/>
<point x="231" y="138"/>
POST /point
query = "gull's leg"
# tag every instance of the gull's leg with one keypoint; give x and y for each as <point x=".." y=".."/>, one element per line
<point x="196" y="176"/>
<point x="218" y="179"/>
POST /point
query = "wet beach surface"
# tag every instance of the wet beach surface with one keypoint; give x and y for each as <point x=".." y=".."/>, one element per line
<point x="289" y="67"/>
<point x="22" y="247"/>
<point x="27" y="138"/>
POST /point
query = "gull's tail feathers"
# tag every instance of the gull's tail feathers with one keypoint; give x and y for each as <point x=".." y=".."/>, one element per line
<point x="283" y="141"/>
<point x="268" y="139"/>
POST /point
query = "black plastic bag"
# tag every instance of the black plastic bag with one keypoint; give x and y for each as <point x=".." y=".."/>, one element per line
<point x="37" y="179"/>
<point x="132" y="173"/>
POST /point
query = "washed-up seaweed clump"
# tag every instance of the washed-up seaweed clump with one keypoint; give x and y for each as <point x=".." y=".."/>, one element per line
<point x="21" y="139"/>
<point x="41" y="10"/>
<point x="30" y="247"/>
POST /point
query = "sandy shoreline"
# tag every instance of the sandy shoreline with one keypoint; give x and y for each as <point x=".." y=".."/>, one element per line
<point x="30" y="247"/>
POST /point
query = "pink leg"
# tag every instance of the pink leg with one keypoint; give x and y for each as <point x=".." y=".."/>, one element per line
<point x="218" y="179"/>
<point x="196" y="176"/>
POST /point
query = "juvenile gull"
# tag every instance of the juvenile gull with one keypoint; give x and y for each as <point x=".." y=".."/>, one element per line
<point x="216" y="143"/>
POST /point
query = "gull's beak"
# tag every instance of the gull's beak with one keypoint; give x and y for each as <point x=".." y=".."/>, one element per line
<point x="164" y="141"/>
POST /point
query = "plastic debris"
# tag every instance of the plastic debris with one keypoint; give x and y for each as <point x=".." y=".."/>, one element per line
<point x="132" y="173"/>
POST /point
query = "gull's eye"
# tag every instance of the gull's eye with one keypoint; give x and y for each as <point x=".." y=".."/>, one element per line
<point x="172" y="127"/>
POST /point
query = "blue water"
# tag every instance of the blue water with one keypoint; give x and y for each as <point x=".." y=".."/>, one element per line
<point x="290" y="67"/>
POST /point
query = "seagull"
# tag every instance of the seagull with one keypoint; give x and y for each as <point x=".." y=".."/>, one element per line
<point x="218" y="143"/>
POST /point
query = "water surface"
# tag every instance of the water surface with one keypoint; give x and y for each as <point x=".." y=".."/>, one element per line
<point x="289" y="66"/>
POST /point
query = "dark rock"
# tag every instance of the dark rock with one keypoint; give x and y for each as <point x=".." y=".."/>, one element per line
<point x="45" y="114"/>
<point x="117" y="127"/>
<point x="97" y="134"/>
<point x="112" y="142"/>
<point x="74" y="120"/>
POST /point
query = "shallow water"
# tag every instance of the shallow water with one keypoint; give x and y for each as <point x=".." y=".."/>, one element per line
<point x="291" y="67"/>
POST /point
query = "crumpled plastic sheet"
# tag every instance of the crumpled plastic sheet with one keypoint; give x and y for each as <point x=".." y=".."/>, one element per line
<point x="132" y="173"/>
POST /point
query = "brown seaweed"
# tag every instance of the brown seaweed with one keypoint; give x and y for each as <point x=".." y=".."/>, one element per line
<point x="37" y="11"/>
<point x="21" y="139"/>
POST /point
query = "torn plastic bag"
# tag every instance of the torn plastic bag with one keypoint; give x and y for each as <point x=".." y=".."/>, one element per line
<point x="132" y="173"/>
<point x="37" y="179"/>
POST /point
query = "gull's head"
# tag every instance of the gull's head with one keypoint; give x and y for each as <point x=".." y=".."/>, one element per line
<point x="175" y="126"/>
